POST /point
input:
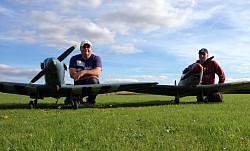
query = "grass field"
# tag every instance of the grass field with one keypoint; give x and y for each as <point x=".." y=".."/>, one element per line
<point x="125" y="122"/>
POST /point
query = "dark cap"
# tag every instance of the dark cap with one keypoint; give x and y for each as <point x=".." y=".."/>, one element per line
<point x="203" y="50"/>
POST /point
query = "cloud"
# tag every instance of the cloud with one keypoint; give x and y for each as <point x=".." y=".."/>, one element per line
<point x="50" y="29"/>
<point x="125" y="49"/>
<point x="146" y="15"/>
<point x="59" y="28"/>
<point x="4" y="67"/>
<point x="17" y="73"/>
<point x="149" y="77"/>
<point x="7" y="12"/>
<point x="56" y="29"/>
<point x="117" y="80"/>
<point x="135" y="78"/>
<point x="228" y="80"/>
<point x="65" y="4"/>
<point x="62" y="4"/>
<point x="243" y="68"/>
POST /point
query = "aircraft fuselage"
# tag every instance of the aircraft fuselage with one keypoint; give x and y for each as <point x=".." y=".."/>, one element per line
<point x="194" y="78"/>
<point x="55" y="74"/>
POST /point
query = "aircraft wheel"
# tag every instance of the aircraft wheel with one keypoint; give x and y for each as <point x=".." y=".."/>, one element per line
<point x="176" y="101"/>
<point x="75" y="105"/>
<point x="31" y="105"/>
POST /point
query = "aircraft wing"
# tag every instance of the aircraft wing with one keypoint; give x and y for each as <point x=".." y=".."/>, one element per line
<point x="41" y="90"/>
<point x="94" y="89"/>
<point x="182" y="91"/>
<point x="19" y="88"/>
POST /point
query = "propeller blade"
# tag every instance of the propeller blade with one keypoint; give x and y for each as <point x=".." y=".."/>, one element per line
<point x="39" y="75"/>
<point x="66" y="53"/>
<point x="207" y="61"/>
<point x="187" y="75"/>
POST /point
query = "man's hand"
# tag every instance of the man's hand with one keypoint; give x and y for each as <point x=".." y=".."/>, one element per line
<point x="79" y="74"/>
<point x="84" y="74"/>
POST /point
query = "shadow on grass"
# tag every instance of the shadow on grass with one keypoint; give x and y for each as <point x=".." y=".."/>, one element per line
<point x="133" y="104"/>
<point x="6" y="106"/>
<point x="141" y="104"/>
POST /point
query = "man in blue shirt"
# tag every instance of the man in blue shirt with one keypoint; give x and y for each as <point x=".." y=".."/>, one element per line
<point x="85" y="68"/>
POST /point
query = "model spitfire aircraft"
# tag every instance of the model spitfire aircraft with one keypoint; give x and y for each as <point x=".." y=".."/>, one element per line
<point x="189" y="85"/>
<point x="54" y="71"/>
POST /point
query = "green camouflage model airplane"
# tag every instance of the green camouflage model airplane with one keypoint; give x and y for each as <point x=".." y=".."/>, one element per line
<point x="54" y="71"/>
<point x="189" y="85"/>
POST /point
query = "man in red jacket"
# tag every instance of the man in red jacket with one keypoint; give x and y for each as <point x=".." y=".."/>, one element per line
<point x="210" y="69"/>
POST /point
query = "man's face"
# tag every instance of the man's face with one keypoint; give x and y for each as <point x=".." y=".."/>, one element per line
<point x="203" y="57"/>
<point x="86" y="51"/>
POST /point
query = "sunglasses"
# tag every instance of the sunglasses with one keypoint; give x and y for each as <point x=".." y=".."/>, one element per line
<point x="86" y="46"/>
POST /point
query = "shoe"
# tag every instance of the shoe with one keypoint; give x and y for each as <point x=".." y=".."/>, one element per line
<point x="218" y="97"/>
<point x="82" y="101"/>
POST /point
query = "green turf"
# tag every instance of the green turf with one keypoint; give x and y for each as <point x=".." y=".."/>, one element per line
<point x="125" y="122"/>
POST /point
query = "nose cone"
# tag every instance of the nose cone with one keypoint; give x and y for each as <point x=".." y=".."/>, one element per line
<point x="51" y="63"/>
<point x="197" y="68"/>
<point x="54" y="62"/>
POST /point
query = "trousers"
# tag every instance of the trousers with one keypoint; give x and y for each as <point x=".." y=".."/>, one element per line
<point x="91" y="98"/>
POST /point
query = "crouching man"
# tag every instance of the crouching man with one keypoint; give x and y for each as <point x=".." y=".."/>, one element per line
<point x="210" y="69"/>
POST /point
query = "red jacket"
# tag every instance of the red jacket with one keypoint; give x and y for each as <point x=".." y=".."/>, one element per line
<point x="209" y="71"/>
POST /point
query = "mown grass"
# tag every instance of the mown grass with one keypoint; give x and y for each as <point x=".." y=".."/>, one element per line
<point x="125" y="122"/>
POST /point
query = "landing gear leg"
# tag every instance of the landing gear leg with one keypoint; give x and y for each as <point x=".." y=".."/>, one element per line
<point x="74" y="102"/>
<point x="200" y="98"/>
<point x="206" y="100"/>
<point x="33" y="104"/>
<point x="176" y="100"/>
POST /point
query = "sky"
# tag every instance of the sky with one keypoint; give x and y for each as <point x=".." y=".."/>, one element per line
<point x="137" y="40"/>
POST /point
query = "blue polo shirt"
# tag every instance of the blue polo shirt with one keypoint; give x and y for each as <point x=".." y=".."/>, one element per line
<point x="79" y="63"/>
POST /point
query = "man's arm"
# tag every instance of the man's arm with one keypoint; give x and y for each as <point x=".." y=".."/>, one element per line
<point x="220" y="73"/>
<point x="84" y="74"/>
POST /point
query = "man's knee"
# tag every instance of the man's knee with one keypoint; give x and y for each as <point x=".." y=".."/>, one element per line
<point x="92" y="81"/>
<point x="87" y="81"/>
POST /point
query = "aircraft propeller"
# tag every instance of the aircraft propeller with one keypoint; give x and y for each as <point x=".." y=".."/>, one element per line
<point x="207" y="61"/>
<point x="192" y="72"/>
<point x="60" y="58"/>
<point x="66" y="53"/>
